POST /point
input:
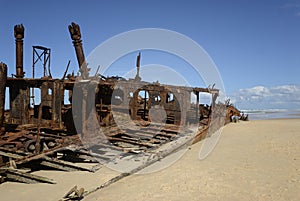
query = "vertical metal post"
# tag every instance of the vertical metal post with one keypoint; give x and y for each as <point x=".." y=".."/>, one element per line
<point x="134" y="104"/>
<point x="48" y="60"/>
<point x="44" y="64"/>
<point x="3" y="78"/>
<point x="198" y="107"/>
<point x="33" y="68"/>
<point x="145" y="104"/>
<point x="44" y="86"/>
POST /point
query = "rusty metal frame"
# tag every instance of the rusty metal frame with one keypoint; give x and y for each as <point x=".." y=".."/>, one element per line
<point x="42" y="54"/>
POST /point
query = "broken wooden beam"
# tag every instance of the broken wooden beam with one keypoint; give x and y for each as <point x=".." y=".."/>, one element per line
<point x="61" y="165"/>
<point x="16" y="175"/>
<point x="29" y="158"/>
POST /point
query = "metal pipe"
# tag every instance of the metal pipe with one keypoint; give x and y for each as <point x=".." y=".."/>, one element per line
<point x="19" y="35"/>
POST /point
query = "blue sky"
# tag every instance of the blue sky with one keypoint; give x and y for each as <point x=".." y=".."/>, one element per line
<point x="254" y="44"/>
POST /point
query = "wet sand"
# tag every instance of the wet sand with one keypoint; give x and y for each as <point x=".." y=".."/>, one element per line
<point x="255" y="160"/>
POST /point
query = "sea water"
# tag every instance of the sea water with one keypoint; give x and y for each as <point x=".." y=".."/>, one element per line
<point x="272" y="114"/>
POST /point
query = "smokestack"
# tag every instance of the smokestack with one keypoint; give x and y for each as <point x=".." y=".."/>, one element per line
<point x="19" y="35"/>
<point x="3" y="78"/>
<point x="138" y="65"/>
<point x="74" y="30"/>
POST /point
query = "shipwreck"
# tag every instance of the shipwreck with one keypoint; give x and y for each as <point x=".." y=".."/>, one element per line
<point x="48" y="132"/>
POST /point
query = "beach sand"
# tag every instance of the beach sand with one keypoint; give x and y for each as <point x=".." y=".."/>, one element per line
<point x="254" y="160"/>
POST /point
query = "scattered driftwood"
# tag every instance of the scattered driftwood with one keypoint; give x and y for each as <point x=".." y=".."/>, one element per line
<point x="73" y="194"/>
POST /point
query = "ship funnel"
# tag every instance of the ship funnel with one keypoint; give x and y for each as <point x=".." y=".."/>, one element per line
<point x="75" y="33"/>
<point x="19" y="35"/>
<point x="138" y="65"/>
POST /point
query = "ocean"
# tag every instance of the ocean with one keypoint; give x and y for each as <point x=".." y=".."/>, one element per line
<point x="272" y="114"/>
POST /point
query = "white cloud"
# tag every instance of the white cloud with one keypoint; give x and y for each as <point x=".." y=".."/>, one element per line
<point x="260" y="97"/>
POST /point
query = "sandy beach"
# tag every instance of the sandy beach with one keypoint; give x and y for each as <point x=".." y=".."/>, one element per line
<point x="254" y="160"/>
